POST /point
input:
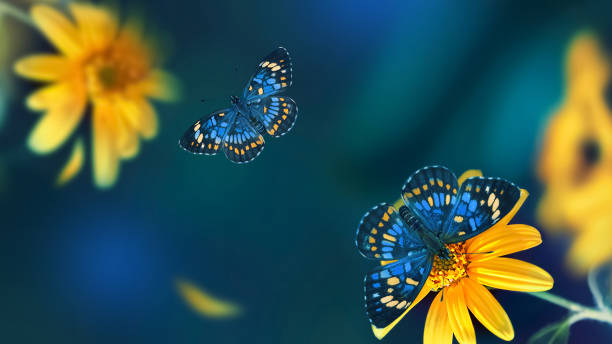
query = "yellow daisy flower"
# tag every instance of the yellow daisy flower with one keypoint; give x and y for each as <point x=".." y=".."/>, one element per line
<point x="102" y="64"/>
<point x="576" y="158"/>
<point x="461" y="281"/>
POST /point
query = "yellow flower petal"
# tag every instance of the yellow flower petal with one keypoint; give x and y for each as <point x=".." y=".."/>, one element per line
<point x="380" y="333"/>
<point x="437" y="327"/>
<point x="141" y="115"/>
<point x="204" y="303"/>
<point x="74" y="164"/>
<point x="487" y="310"/>
<point x="98" y="25"/>
<point x="105" y="155"/>
<point x="52" y="95"/>
<point x="43" y="67"/>
<point x="593" y="246"/>
<point x="458" y="315"/>
<point x="160" y="85"/>
<point x="510" y="274"/>
<point x="58" y="29"/>
<point x="502" y="241"/>
<point x="469" y="174"/>
<point x="56" y="125"/>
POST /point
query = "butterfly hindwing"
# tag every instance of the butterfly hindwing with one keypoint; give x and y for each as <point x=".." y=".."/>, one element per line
<point x="391" y="289"/>
<point x="273" y="74"/>
<point x="277" y="114"/>
<point x="242" y="143"/>
<point x="431" y="193"/>
<point x="205" y="135"/>
<point x="481" y="203"/>
<point x="382" y="234"/>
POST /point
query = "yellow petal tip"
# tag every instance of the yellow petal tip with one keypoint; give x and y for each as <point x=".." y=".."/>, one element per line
<point x="74" y="164"/>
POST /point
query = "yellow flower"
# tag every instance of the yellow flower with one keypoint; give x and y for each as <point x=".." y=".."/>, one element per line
<point x="460" y="281"/>
<point x="100" y="63"/>
<point x="576" y="158"/>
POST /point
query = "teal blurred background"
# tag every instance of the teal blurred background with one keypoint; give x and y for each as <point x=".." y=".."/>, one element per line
<point x="383" y="89"/>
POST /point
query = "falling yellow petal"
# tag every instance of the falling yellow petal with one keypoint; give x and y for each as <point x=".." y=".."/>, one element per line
<point x="501" y="241"/>
<point x="58" y="29"/>
<point x="511" y="274"/>
<point x="469" y="174"/>
<point x="74" y="164"/>
<point x="458" y="315"/>
<point x="380" y="333"/>
<point x="204" y="303"/>
<point x="43" y="67"/>
<point x="437" y="327"/>
<point x="487" y="310"/>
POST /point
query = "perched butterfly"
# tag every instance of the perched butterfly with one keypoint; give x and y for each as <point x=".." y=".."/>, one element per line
<point x="239" y="130"/>
<point x="435" y="213"/>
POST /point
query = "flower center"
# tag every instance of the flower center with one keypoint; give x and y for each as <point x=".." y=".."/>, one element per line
<point x="113" y="70"/>
<point x="447" y="272"/>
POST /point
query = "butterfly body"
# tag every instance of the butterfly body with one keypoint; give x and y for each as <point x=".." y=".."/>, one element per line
<point x="239" y="130"/>
<point x="436" y="213"/>
<point x="433" y="243"/>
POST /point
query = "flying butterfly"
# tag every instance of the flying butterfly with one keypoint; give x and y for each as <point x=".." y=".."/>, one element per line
<point x="239" y="130"/>
<point x="435" y="212"/>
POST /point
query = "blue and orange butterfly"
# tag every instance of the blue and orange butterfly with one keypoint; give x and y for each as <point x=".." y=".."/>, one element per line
<point x="435" y="213"/>
<point x="239" y="130"/>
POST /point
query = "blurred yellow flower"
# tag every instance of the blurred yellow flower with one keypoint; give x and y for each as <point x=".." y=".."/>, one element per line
<point x="204" y="303"/>
<point x="576" y="158"/>
<point x="461" y="280"/>
<point x="100" y="63"/>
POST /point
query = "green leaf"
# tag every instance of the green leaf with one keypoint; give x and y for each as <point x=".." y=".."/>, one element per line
<point x="557" y="333"/>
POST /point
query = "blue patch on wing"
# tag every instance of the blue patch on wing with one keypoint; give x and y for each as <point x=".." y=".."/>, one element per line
<point x="383" y="235"/>
<point x="242" y="143"/>
<point x="277" y="114"/>
<point x="205" y="135"/>
<point x="431" y="194"/>
<point x="391" y="289"/>
<point x="272" y="75"/>
<point x="482" y="202"/>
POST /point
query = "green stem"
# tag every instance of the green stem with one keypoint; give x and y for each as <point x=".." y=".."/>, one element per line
<point x="16" y="13"/>
<point x="579" y="312"/>
<point x="559" y="301"/>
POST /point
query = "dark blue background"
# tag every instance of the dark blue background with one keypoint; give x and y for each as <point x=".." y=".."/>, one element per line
<point x="383" y="89"/>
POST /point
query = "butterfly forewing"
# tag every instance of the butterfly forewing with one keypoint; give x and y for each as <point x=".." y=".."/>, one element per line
<point x="205" y="136"/>
<point x="391" y="289"/>
<point x="382" y="234"/>
<point x="273" y="74"/>
<point x="481" y="203"/>
<point x="242" y="143"/>
<point x="277" y="114"/>
<point x="431" y="193"/>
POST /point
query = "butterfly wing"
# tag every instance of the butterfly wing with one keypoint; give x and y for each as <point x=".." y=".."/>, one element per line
<point x="482" y="202"/>
<point x="382" y="234"/>
<point x="431" y="193"/>
<point x="272" y="75"/>
<point x="391" y="289"/>
<point x="278" y="114"/>
<point x="242" y="143"/>
<point x="205" y="135"/>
